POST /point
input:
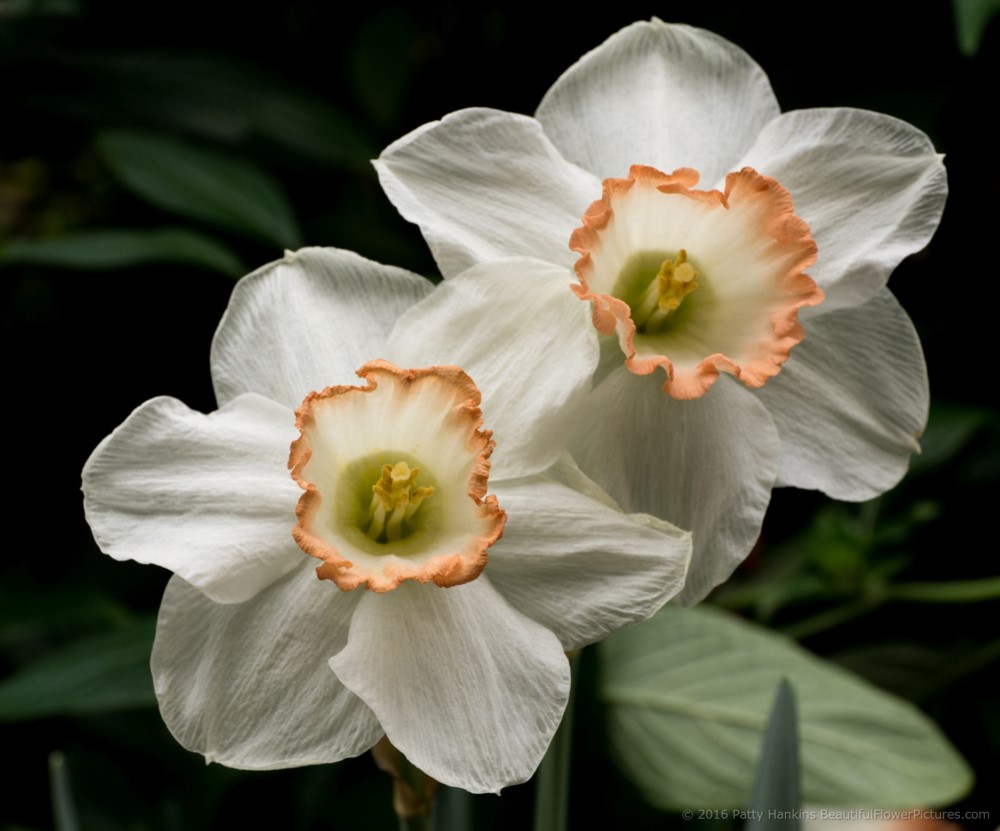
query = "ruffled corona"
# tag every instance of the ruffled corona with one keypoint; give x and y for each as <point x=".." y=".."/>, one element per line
<point x="698" y="282"/>
<point x="395" y="476"/>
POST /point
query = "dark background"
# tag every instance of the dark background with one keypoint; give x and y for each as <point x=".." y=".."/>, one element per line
<point x="327" y="89"/>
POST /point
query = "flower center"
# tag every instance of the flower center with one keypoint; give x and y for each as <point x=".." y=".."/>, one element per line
<point x="395" y="477"/>
<point x="734" y="310"/>
<point x="395" y="501"/>
<point x="663" y="294"/>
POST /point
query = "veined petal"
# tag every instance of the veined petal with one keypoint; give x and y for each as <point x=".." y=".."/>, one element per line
<point x="871" y="187"/>
<point x="707" y="465"/>
<point x="248" y="684"/>
<point x="852" y="402"/>
<point x="662" y="95"/>
<point x="469" y="689"/>
<point x="306" y="322"/>
<point x="510" y="313"/>
<point x="483" y="184"/>
<point x="576" y="563"/>
<point x="206" y="496"/>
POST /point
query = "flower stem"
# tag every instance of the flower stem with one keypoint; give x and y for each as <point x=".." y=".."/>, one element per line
<point x="413" y="791"/>
<point x="829" y="619"/>
<point x="453" y="811"/>
<point x="552" y="788"/>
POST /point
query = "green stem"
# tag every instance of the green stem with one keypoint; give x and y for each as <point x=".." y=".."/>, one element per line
<point x="958" y="591"/>
<point x="552" y="788"/>
<point x="453" y="811"/>
<point x="829" y="619"/>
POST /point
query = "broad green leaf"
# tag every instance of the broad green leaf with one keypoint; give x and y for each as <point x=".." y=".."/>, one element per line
<point x="101" y="674"/>
<point x="201" y="183"/>
<point x="118" y="249"/>
<point x="971" y="19"/>
<point x="776" y="783"/>
<point x="688" y="695"/>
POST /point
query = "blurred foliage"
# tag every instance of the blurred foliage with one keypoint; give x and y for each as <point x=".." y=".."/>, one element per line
<point x="105" y="249"/>
<point x="107" y="673"/>
<point x="971" y="19"/>
<point x="203" y="184"/>
<point x="139" y="142"/>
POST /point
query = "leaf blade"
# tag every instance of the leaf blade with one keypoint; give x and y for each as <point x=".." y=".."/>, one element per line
<point x="689" y="693"/>
<point x="112" y="248"/>
<point x="104" y="673"/>
<point x="201" y="183"/>
<point x="776" y="787"/>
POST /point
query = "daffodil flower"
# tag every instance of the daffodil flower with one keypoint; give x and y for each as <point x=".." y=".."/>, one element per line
<point x="358" y="559"/>
<point x="735" y="255"/>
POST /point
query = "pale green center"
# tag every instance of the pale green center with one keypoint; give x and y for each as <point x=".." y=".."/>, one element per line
<point x="381" y="508"/>
<point x="655" y="285"/>
<point x="395" y="501"/>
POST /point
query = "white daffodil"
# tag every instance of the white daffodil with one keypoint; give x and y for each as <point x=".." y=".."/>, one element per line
<point x="424" y="625"/>
<point x="796" y="208"/>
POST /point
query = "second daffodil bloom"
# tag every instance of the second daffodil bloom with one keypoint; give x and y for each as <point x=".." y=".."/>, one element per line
<point x="358" y="559"/>
<point x="734" y="258"/>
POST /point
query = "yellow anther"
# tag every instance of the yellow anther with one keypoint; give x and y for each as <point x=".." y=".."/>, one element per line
<point x="674" y="281"/>
<point x="395" y="500"/>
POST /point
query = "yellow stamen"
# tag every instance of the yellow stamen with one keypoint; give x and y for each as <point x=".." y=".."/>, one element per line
<point x="665" y="293"/>
<point x="395" y="499"/>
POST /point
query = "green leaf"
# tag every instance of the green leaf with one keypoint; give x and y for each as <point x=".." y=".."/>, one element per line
<point x="688" y="695"/>
<point x="105" y="249"/>
<point x="201" y="183"/>
<point x="776" y="784"/>
<point x="971" y="19"/>
<point x="101" y="674"/>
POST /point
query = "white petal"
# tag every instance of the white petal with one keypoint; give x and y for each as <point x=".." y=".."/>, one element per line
<point x="525" y="339"/>
<point x="871" y="187"/>
<point x="248" y="685"/>
<point x="579" y="565"/>
<point x="851" y="401"/>
<point x="469" y="689"/>
<point x="307" y="322"/>
<point x="707" y="464"/>
<point x="483" y="184"/>
<point x="662" y="95"/>
<point x="207" y="496"/>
